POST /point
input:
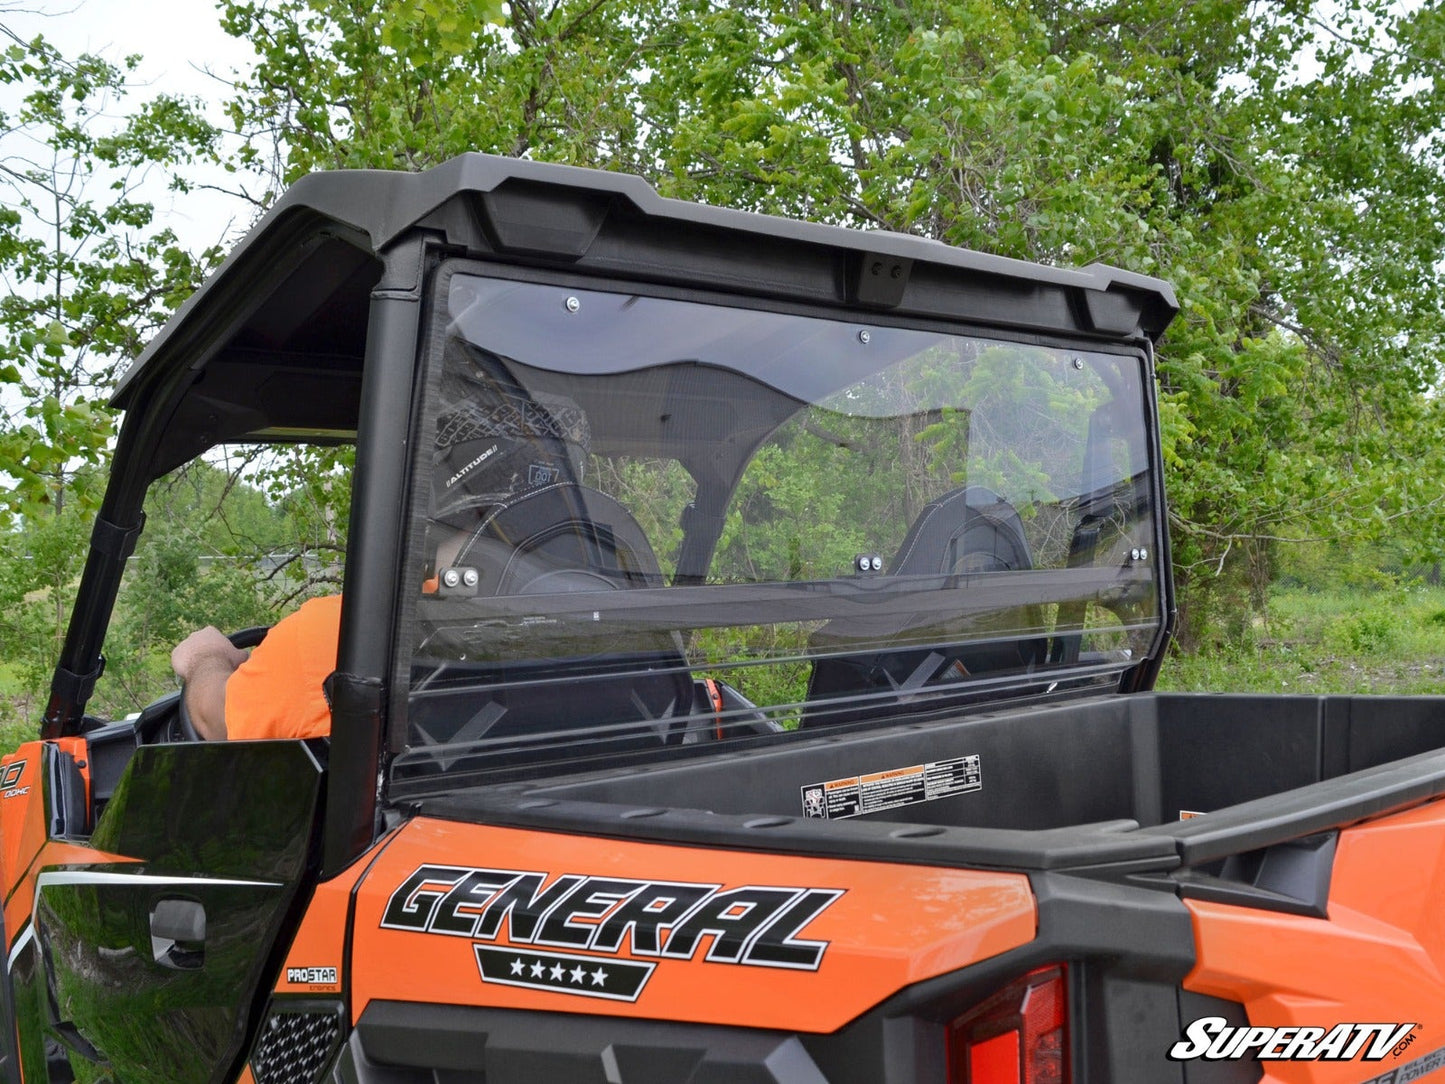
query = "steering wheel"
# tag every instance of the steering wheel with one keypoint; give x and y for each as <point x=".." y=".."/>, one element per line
<point x="180" y="727"/>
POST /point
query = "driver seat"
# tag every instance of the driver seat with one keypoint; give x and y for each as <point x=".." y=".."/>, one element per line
<point x="565" y="537"/>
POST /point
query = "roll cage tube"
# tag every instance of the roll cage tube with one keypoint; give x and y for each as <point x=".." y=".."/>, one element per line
<point x="152" y="393"/>
<point x="372" y="561"/>
<point x="374" y="551"/>
<point x="117" y="526"/>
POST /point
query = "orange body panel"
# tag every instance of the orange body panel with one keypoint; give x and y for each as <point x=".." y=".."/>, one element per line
<point x="22" y="816"/>
<point x="1379" y="957"/>
<point x="320" y="942"/>
<point x="887" y="926"/>
<point x="24" y="835"/>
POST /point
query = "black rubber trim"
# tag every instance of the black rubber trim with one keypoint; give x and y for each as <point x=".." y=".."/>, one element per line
<point x="1307" y="810"/>
<point x="1291" y="877"/>
<point x="501" y="1046"/>
<point x="1107" y="843"/>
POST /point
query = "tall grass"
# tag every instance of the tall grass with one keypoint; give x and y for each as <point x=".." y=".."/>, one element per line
<point x="1361" y="639"/>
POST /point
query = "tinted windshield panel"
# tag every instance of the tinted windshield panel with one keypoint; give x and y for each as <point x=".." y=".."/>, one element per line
<point x="658" y="523"/>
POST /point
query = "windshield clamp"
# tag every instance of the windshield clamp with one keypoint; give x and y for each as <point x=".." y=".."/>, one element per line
<point x="114" y="541"/>
<point x="878" y="280"/>
<point x="75" y="688"/>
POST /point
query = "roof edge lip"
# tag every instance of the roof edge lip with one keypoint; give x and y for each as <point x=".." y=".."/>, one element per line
<point x="381" y="205"/>
<point x="644" y="195"/>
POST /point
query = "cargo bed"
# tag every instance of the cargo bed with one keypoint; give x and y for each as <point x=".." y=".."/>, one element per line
<point x="1076" y="784"/>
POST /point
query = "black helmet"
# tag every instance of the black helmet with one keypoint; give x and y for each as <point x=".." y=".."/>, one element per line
<point x="495" y="440"/>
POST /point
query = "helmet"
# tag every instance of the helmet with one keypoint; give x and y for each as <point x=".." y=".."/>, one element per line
<point x="495" y="440"/>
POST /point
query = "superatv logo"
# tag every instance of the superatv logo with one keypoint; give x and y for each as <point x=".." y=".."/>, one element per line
<point x="755" y="925"/>
<point x="1214" y="1039"/>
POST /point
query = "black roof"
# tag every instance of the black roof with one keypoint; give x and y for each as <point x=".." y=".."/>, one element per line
<point x="315" y="256"/>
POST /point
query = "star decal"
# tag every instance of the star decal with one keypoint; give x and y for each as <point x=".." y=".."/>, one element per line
<point x="564" y="974"/>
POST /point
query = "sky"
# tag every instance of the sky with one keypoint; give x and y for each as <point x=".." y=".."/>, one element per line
<point x="176" y="37"/>
<point x="179" y="41"/>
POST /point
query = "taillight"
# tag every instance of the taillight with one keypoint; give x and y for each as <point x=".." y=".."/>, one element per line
<point x="1018" y="1036"/>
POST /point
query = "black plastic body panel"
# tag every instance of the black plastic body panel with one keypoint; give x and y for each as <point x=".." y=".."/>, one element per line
<point x="108" y="750"/>
<point x="1070" y="786"/>
<point x="493" y="1046"/>
<point x="9" y="1035"/>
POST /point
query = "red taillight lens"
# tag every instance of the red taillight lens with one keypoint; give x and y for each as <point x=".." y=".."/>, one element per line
<point x="1018" y="1036"/>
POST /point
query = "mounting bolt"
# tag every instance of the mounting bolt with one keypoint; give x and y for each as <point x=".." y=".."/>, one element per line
<point x="572" y="304"/>
<point x="865" y="337"/>
<point x="451" y="578"/>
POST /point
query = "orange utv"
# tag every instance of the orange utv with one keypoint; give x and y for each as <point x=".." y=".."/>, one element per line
<point x="745" y="677"/>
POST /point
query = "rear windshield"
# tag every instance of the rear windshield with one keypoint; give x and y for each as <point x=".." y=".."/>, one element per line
<point x="649" y="523"/>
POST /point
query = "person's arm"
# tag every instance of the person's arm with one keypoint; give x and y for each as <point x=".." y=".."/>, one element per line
<point x="205" y="661"/>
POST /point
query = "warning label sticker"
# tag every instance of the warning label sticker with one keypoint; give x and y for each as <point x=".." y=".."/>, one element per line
<point x="877" y="791"/>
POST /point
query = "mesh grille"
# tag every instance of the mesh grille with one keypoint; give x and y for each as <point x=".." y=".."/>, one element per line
<point x="294" y="1047"/>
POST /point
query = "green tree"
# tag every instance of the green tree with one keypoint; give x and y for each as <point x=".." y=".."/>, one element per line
<point x="88" y="273"/>
<point x="1278" y="162"/>
<point x="405" y="85"/>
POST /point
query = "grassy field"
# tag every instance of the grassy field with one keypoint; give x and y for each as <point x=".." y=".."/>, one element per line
<point x="1349" y="640"/>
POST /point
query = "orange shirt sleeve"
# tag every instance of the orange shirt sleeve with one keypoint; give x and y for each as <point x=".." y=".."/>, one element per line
<point x="277" y="692"/>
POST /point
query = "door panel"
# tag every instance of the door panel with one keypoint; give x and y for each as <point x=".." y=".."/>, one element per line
<point x="152" y="964"/>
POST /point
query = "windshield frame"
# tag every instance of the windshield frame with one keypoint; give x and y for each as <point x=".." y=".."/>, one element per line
<point x="429" y="365"/>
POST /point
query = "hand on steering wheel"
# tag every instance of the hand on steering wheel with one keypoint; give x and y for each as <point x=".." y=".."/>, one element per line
<point x="183" y="728"/>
